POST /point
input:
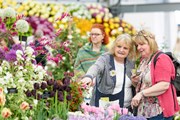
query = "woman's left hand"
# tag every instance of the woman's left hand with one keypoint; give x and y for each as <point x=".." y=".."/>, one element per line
<point x="136" y="99"/>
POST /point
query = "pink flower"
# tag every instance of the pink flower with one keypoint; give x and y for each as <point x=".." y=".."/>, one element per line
<point x="123" y="111"/>
<point x="110" y="112"/>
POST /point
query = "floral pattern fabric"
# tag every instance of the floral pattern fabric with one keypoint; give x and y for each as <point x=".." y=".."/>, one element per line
<point x="149" y="106"/>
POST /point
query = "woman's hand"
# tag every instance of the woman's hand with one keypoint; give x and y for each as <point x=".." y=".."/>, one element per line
<point x="136" y="99"/>
<point x="86" y="81"/>
<point x="135" y="79"/>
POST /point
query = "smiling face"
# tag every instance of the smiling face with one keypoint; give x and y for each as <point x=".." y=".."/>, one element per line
<point x="146" y="44"/>
<point x="96" y="36"/>
<point x="121" y="50"/>
<point x="144" y="49"/>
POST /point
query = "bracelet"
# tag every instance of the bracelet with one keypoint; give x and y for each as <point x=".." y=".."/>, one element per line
<point x="142" y="94"/>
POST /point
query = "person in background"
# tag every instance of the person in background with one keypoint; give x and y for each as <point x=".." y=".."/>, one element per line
<point x="112" y="73"/>
<point x="6" y="41"/>
<point x="154" y="96"/>
<point x="176" y="50"/>
<point x="88" y="54"/>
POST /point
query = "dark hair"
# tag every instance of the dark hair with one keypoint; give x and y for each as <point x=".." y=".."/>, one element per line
<point x="101" y="27"/>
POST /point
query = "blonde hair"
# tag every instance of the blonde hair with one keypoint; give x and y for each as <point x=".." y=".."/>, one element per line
<point x="126" y="38"/>
<point x="177" y="46"/>
<point x="142" y="36"/>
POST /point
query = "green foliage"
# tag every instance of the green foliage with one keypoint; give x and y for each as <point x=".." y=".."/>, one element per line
<point x="68" y="39"/>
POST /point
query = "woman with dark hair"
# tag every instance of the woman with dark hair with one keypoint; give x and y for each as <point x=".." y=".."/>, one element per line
<point x="88" y="54"/>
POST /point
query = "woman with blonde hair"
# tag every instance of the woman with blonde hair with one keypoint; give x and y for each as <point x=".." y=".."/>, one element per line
<point x="155" y="98"/>
<point x="112" y="72"/>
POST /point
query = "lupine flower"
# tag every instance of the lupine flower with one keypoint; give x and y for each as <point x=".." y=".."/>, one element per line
<point x="22" y="26"/>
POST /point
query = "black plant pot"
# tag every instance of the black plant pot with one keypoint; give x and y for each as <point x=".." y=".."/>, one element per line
<point x="23" y="38"/>
<point x="12" y="90"/>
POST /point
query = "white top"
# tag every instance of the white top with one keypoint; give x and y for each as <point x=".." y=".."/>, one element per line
<point x="119" y="68"/>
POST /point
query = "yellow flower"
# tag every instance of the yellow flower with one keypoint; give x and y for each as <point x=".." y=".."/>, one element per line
<point x="112" y="73"/>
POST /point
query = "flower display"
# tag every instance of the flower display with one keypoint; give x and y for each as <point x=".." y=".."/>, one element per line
<point x="13" y="24"/>
<point x="112" y="112"/>
<point x="18" y="73"/>
<point x="53" y="98"/>
<point x="39" y="9"/>
<point x="41" y="24"/>
<point x="131" y="117"/>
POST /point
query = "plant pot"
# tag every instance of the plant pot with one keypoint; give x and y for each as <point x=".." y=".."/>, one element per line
<point x="12" y="90"/>
<point x="23" y="38"/>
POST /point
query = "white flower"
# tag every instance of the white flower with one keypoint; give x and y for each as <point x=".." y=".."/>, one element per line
<point x="19" y="74"/>
<point x="35" y="101"/>
<point x="2" y="81"/>
<point x="64" y="58"/>
<point x="21" y="80"/>
<point x="1" y="13"/>
<point x="112" y="73"/>
<point x="29" y="51"/>
<point x="1" y="70"/>
<point x="69" y="36"/>
<point x="22" y="26"/>
<point x="9" y="12"/>
<point x="19" y="54"/>
<point x="51" y="63"/>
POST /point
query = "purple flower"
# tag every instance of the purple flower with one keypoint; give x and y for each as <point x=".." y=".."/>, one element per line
<point x="11" y="56"/>
<point x="131" y="117"/>
<point x="17" y="47"/>
<point x="69" y="97"/>
<point x="2" y="54"/>
<point x="36" y="86"/>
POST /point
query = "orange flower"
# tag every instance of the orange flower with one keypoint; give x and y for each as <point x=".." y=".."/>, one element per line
<point x="6" y="113"/>
<point x="2" y="97"/>
<point x="1" y="90"/>
<point x="24" y="106"/>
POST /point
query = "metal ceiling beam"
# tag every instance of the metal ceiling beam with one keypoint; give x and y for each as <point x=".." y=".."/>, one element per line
<point x="158" y="7"/>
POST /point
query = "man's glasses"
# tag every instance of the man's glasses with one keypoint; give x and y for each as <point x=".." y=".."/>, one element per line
<point x="94" y="34"/>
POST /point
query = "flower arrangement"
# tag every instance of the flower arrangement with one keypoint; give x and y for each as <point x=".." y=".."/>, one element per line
<point x="53" y="98"/>
<point x="64" y="50"/>
<point x="42" y="24"/>
<point x="14" y="24"/>
<point x="18" y="73"/>
<point x="113" y="112"/>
